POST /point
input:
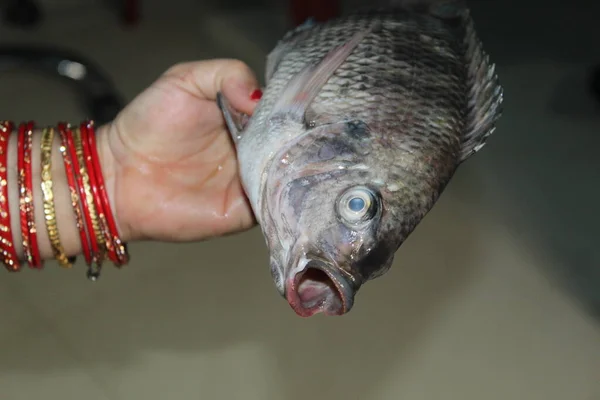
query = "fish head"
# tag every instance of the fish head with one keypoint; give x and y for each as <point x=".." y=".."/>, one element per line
<point x="332" y="224"/>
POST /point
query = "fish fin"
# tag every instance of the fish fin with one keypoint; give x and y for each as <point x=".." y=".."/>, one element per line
<point x="302" y="89"/>
<point x="235" y="120"/>
<point x="485" y="97"/>
<point x="285" y="45"/>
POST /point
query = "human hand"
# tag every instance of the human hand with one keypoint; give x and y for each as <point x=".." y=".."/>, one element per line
<point x="169" y="163"/>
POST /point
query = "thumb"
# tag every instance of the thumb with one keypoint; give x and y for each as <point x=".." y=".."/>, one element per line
<point x="206" y="78"/>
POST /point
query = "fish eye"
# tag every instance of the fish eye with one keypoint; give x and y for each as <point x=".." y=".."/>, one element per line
<point x="356" y="205"/>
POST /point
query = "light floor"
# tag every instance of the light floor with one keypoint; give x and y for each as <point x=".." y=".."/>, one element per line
<point x="490" y="299"/>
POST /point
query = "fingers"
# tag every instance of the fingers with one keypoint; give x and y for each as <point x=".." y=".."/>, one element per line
<point x="206" y="78"/>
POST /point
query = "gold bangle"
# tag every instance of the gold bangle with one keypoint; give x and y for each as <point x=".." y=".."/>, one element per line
<point x="89" y="199"/>
<point x="48" y="195"/>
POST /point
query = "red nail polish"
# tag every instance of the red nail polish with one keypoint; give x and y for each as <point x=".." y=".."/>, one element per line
<point x="256" y="95"/>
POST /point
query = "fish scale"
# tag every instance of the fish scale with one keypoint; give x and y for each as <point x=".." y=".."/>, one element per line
<point x="362" y="124"/>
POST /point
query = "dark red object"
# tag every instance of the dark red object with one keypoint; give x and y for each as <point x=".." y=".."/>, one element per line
<point x="9" y="254"/>
<point x="131" y="11"/>
<point x="69" y="169"/>
<point x="118" y="251"/>
<point x="256" y="95"/>
<point x="320" y="10"/>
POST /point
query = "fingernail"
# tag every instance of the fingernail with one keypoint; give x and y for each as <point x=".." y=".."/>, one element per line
<point x="256" y="95"/>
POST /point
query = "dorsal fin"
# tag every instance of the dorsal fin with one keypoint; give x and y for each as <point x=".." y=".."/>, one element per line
<point x="295" y="99"/>
<point x="485" y="96"/>
<point x="485" y="93"/>
<point x="287" y="43"/>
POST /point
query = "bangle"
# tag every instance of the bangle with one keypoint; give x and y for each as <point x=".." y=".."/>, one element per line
<point x="117" y="249"/>
<point x="94" y="230"/>
<point x="37" y="261"/>
<point x="93" y="188"/>
<point x="31" y="250"/>
<point x="7" y="248"/>
<point x="48" y="196"/>
<point x="76" y="168"/>
<point x="69" y="168"/>
<point x="95" y="221"/>
<point x="24" y="199"/>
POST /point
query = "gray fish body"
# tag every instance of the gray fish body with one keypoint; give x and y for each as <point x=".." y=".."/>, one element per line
<point x="363" y="122"/>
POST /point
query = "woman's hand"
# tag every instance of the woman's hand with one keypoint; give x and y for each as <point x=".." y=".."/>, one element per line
<point x="170" y="165"/>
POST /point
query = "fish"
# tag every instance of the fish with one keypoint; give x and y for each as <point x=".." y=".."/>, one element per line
<point x="363" y="122"/>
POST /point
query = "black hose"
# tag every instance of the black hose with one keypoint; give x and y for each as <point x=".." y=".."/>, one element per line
<point x="98" y="94"/>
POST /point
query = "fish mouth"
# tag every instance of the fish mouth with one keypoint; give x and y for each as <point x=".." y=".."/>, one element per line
<point x="317" y="288"/>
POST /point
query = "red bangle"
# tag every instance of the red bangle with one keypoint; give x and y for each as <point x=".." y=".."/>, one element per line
<point x="75" y="202"/>
<point x="82" y="197"/>
<point x="95" y="221"/>
<point x="7" y="247"/>
<point x="78" y="176"/>
<point x="28" y="231"/>
<point x="94" y="186"/>
<point x="23" y="198"/>
<point x="36" y="258"/>
<point x="76" y="141"/>
<point x="118" y="250"/>
<point x="87" y="189"/>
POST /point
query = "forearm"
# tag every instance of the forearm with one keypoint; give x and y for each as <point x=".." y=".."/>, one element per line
<point x="64" y="212"/>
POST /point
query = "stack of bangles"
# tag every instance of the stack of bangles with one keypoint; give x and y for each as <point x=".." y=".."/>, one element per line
<point x="97" y="228"/>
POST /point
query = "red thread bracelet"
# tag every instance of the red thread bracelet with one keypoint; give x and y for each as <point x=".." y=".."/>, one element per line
<point x="75" y="201"/>
<point x="7" y="247"/>
<point x="119" y="255"/>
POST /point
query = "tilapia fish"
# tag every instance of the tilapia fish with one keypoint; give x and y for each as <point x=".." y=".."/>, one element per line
<point x="363" y="122"/>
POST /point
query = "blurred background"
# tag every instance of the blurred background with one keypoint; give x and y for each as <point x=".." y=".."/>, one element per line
<point x="495" y="296"/>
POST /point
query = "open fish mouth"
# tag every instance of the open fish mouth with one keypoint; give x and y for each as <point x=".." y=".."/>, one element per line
<point x="317" y="288"/>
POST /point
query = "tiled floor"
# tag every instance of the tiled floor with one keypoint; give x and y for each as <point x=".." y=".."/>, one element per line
<point x="473" y="308"/>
